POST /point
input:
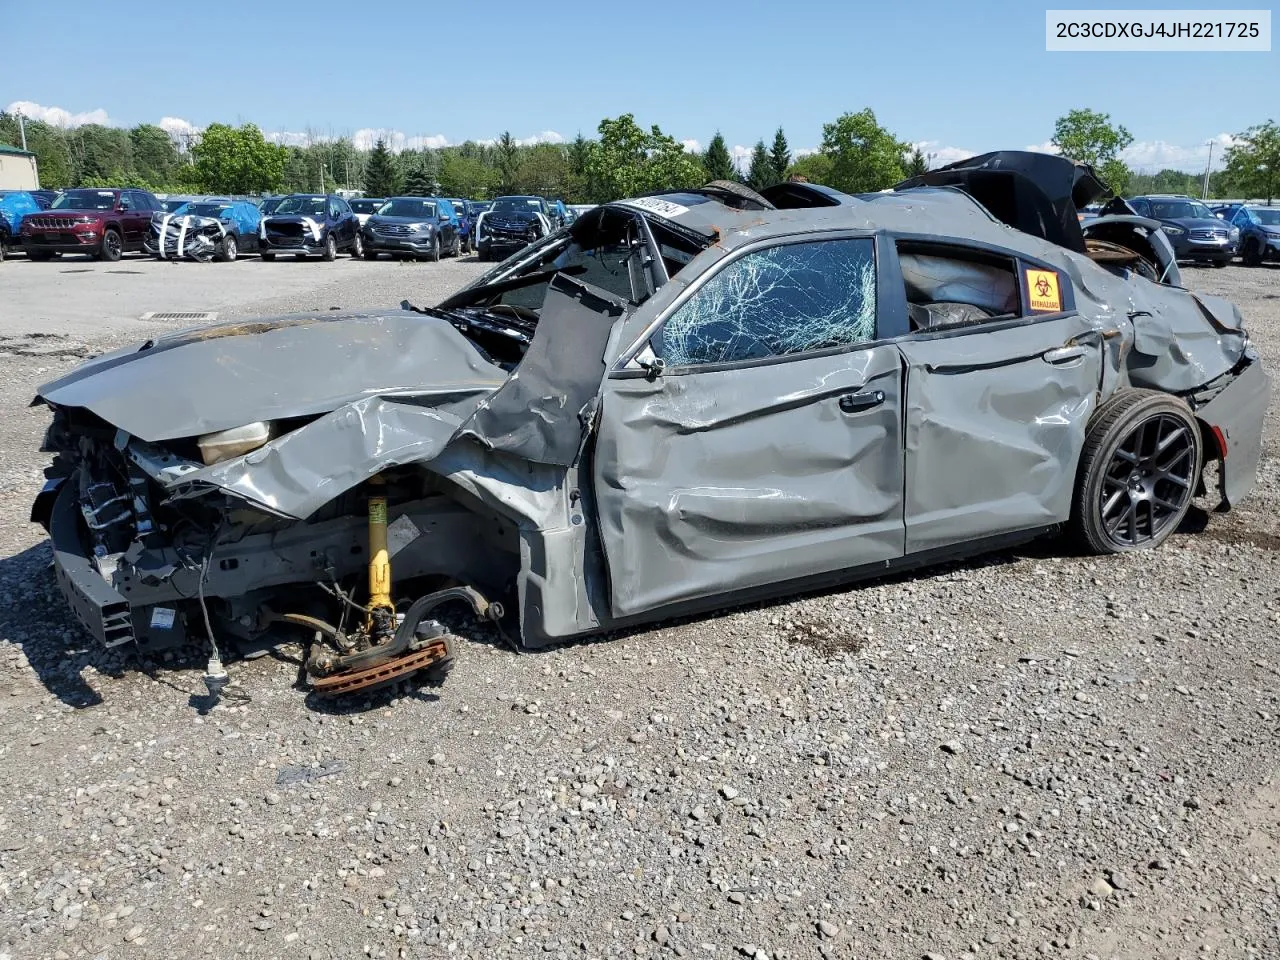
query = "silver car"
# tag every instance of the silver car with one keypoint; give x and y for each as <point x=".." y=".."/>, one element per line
<point x="681" y="402"/>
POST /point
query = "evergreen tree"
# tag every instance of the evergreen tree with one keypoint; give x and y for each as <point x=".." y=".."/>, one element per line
<point x="918" y="163"/>
<point x="419" y="182"/>
<point x="380" y="176"/>
<point x="579" y="154"/>
<point x="508" y="162"/>
<point x="718" y="163"/>
<point x="761" y="172"/>
<point x="780" y="156"/>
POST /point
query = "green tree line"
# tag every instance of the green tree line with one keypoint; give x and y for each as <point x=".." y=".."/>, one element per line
<point x="857" y="154"/>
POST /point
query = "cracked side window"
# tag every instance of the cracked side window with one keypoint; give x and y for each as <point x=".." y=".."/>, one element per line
<point x="786" y="299"/>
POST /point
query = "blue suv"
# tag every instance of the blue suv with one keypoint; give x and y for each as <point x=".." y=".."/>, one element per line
<point x="1192" y="228"/>
<point x="1259" y="234"/>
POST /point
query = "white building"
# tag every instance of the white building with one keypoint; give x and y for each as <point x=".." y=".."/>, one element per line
<point x="18" y="169"/>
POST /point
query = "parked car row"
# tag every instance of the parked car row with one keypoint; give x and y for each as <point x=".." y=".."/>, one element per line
<point x="107" y="223"/>
<point x="1199" y="233"/>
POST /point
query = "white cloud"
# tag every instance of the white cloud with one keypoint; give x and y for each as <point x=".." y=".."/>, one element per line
<point x="691" y="146"/>
<point x="546" y="136"/>
<point x="57" y="115"/>
<point x="290" y="138"/>
<point x="1045" y="147"/>
<point x="939" y="154"/>
<point x="799" y="152"/>
<point x="177" y="127"/>
<point x="396" y="140"/>
<point x="741" y="157"/>
<point x="1149" y="156"/>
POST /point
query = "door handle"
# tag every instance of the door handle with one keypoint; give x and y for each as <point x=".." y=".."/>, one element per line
<point x="858" y="402"/>
<point x="1062" y="355"/>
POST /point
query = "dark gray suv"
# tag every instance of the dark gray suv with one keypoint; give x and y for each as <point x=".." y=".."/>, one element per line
<point x="1192" y="228"/>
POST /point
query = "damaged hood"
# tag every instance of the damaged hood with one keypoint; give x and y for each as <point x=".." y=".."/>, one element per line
<point x="219" y="377"/>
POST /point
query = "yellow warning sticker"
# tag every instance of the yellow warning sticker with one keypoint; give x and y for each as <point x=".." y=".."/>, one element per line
<point x="1042" y="285"/>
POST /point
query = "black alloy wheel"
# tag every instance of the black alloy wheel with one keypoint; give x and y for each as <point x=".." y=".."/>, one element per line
<point x="1139" y="472"/>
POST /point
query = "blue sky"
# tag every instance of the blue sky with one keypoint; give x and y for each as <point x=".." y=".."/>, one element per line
<point x="956" y="77"/>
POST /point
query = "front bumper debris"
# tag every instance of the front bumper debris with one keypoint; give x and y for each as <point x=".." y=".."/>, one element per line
<point x="97" y="605"/>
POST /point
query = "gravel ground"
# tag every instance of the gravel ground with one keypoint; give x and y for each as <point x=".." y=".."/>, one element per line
<point x="1030" y="754"/>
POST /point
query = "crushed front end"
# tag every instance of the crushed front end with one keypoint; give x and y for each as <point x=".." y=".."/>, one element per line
<point x="191" y="237"/>
<point x="291" y="234"/>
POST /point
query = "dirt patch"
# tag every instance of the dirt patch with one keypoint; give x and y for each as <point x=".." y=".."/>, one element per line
<point x="43" y="345"/>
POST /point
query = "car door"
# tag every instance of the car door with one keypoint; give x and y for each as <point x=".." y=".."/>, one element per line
<point x="998" y="402"/>
<point x="755" y="437"/>
<point x="347" y="217"/>
<point x="334" y="216"/>
<point x="1249" y="232"/>
<point x="128" y="212"/>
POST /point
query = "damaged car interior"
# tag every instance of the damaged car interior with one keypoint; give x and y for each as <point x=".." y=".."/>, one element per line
<point x="677" y="403"/>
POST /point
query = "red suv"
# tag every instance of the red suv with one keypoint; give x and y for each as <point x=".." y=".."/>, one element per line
<point x="101" y="223"/>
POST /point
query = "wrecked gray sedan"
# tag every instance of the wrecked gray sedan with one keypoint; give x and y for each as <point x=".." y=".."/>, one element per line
<point x="680" y="402"/>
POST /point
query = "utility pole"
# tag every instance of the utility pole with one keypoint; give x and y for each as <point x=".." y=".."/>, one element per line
<point x="1204" y="192"/>
<point x="322" y="176"/>
<point x="22" y="129"/>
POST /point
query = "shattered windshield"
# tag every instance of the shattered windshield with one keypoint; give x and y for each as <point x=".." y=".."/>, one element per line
<point x="607" y="250"/>
<point x="85" y="200"/>
<point x="302" y="206"/>
<point x="1180" y="210"/>
<point x="786" y="299"/>
<point x="407" y="207"/>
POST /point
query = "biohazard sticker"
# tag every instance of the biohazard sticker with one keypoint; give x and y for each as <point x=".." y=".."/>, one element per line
<point x="1042" y="286"/>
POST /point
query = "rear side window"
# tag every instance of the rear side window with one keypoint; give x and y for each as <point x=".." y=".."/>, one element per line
<point x="946" y="286"/>
<point x="779" y="301"/>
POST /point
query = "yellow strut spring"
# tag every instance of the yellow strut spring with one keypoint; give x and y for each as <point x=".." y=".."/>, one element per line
<point x="379" y="558"/>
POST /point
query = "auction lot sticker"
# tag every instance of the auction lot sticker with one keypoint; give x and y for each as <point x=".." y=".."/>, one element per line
<point x="1042" y="286"/>
<point x="1172" y="31"/>
<point x="663" y="208"/>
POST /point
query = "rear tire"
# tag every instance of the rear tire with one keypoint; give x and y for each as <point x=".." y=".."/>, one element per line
<point x="370" y="254"/>
<point x="40" y="255"/>
<point x="1219" y="264"/>
<point x="357" y="247"/>
<point x="330" y="248"/>
<point x="457" y="246"/>
<point x="1138" y="473"/>
<point x="435" y="249"/>
<point x="268" y="257"/>
<point x="112" y="247"/>
<point x="1252" y="253"/>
